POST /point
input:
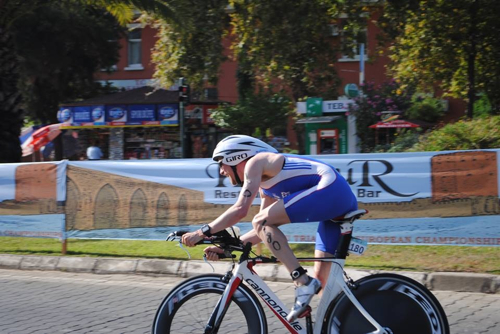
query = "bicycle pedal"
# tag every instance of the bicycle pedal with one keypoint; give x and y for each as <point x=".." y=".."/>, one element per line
<point x="306" y="312"/>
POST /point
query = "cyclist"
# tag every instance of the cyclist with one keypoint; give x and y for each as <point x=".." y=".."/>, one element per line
<point x="293" y="189"/>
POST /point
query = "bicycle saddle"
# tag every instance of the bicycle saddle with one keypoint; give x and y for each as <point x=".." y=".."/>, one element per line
<point x="350" y="216"/>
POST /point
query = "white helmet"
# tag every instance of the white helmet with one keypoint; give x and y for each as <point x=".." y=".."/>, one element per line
<point x="237" y="148"/>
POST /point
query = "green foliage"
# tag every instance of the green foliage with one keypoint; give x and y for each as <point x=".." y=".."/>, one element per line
<point x="404" y="140"/>
<point x="369" y="106"/>
<point x="441" y="41"/>
<point x="425" y="108"/>
<point x="190" y="47"/>
<point x="263" y="110"/>
<point x="61" y="46"/>
<point x="482" y="107"/>
<point x="481" y="133"/>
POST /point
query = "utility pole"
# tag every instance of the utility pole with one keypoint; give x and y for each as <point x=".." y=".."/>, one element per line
<point x="183" y="101"/>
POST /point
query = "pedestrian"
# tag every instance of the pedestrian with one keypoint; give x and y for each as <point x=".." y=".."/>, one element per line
<point x="94" y="151"/>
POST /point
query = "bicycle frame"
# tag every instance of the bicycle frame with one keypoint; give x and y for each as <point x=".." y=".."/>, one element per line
<point x="243" y="272"/>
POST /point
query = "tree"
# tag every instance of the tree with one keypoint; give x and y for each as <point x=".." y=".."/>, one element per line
<point x="60" y="47"/>
<point x="190" y="45"/>
<point x="290" y="42"/>
<point x="453" y="43"/>
<point x="11" y="97"/>
<point x="263" y="110"/>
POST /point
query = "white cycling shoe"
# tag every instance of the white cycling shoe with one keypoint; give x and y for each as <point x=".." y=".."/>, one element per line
<point x="303" y="296"/>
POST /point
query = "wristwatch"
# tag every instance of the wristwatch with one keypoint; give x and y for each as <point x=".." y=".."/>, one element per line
<point x="205" y="229"/>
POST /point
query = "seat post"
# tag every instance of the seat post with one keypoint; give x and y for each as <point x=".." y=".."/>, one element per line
<point x="345" y="240"/>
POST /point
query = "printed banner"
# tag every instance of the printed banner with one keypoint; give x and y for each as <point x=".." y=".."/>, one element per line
<point x="32" y="199"/>
<point x="431" y="198"/>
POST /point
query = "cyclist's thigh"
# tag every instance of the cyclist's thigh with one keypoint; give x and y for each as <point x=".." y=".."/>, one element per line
<point x="274" y="214"/>
<point x="317" y="204"/>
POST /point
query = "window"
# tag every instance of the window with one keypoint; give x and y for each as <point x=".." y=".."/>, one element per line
<point x="134" y="48"/>
<point x="356" y="50"/>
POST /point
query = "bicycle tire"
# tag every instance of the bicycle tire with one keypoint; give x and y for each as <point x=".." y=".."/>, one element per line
<point x="187" y="308"/>
<point x="397" y="303"/>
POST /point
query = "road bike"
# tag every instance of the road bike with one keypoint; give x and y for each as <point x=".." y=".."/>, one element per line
<point x="378" y="304"/>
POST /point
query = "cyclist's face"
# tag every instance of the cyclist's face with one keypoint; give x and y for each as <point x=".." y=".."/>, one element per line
<point x="227" y="171"/>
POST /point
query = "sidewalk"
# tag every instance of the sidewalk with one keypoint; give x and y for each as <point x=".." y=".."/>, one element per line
<point x="439" y="281"/>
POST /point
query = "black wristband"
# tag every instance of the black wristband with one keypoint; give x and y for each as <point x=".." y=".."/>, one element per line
<point x="205" y="229"/>
<point x="297" y="273"/>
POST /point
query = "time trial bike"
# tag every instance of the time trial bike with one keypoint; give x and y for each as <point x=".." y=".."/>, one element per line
<point x="381" y="303"/>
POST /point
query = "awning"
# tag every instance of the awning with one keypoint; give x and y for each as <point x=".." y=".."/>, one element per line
<point x="399" y="123"/>
<point x="318" y="119"/>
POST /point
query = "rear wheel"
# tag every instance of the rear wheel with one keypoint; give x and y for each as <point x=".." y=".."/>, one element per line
<point x="187" y="308"/>
<point x="398" y="303"/>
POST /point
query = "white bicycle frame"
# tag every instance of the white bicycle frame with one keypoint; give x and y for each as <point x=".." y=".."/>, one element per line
<point x="244" y="272"/>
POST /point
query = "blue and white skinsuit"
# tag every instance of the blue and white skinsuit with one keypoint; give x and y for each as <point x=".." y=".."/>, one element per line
<point x="312" y="191"/>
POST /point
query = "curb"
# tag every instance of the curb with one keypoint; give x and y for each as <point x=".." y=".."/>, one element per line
<point x="442" y="281"/>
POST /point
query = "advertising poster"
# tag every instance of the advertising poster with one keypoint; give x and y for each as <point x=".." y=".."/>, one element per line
<point x="431" y="198"/>
<point x="142" y="114"/>
<point x="168" y="114"/>
<point x="116" y="114"/>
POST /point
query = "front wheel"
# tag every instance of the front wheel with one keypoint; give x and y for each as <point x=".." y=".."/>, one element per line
<point x="187" y="308"/>
<point x="398" y="303"/>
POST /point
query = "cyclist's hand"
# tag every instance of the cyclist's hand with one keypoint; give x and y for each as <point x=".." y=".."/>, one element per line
<point x="212" y="252"/>
<point x="192" y="238"/>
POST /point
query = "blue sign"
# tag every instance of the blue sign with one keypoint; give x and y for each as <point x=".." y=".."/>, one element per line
<point x="82" y="115"/>
<point x="64" y="115"/>
<point x="140" y="113"/>
<point x="168" y="114"/>
<point x="116" y="114"/>
<point x="98" y="114"/>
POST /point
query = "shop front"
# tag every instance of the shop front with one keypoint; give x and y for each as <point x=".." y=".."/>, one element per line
<point x="138" y="125"/>
<point x="328" y="128"/>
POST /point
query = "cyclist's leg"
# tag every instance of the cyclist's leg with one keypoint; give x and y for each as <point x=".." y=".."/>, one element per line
<point x="327" y="238"/>
<point x="266" y="223"/>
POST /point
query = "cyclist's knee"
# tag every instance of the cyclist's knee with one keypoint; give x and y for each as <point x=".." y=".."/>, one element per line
<point x="259" y="222"/>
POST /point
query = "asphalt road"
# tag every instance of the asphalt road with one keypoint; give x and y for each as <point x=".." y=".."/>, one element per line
<point x="58" y="302"/>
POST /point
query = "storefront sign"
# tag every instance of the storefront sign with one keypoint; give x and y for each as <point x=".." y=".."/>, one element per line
<point x="141" y="114"/>
<point x="98" y="115"/>
<point x="311" y="106"/>
<point x="65" y="115"/>
<point x="336" y="106"/>
<point x="168" y="114"/>
<point x="82" y="115"/>
<point x="116" y="115"/>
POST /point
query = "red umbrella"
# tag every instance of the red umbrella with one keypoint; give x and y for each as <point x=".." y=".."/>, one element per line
<point x="40" y="138"/>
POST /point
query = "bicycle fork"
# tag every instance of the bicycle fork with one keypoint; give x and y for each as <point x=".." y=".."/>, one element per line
<point x="215" y="320"/>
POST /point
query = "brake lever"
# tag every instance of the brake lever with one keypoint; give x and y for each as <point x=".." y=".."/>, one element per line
<point x="185" y="249"/>
<point x="176" y="236"/>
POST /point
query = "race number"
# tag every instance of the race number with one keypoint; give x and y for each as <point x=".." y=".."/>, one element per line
<point x="357" y="246"/>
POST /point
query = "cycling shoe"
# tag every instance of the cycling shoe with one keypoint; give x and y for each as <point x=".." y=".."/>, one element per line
<point x="303" y="295"/>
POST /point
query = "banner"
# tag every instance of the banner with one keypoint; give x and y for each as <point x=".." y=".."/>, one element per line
<point x="428" y="198"/>
<point x="32" y="199"/>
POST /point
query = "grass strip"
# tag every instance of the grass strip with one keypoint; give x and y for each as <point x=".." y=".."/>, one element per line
<point x="377" y="257"/>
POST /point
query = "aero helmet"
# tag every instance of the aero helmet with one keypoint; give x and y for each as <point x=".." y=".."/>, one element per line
<point x="237" y="148"/>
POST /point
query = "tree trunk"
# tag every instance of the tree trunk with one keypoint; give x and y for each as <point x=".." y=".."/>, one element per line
<point x="471" y="70"/>
<point x="10" y="101"/>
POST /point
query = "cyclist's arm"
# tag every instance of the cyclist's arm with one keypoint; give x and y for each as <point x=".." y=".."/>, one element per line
<point x="252" y="177"/>
<point x="251" y="236"/>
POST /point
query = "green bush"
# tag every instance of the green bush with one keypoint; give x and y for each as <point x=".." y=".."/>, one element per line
<point x="426" y="109"/>
<point x="480" y="133"/>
